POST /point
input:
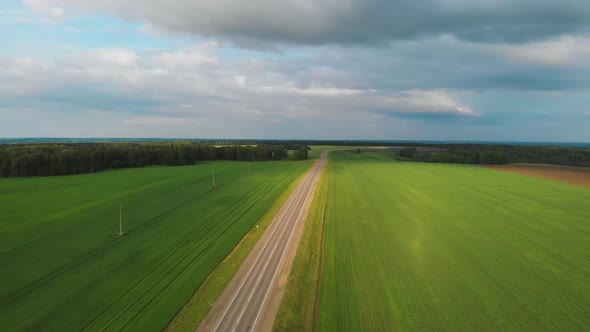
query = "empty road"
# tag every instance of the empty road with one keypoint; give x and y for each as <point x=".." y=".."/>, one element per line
<point x="250" y="301"/>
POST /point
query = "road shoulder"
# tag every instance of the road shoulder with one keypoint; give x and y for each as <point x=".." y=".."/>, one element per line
<point x="297" y="311"/>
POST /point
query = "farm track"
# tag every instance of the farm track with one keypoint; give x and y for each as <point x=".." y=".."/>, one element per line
<point x="251" y="299"/>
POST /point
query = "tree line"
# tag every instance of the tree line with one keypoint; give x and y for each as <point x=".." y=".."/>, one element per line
<point x="66" y="159"/>
<point x="501" y="154"/>
<point x="300" y="153"/>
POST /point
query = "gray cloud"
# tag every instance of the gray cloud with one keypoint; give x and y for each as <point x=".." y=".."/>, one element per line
<point x="192" y="87"/>
<point x="316" y="22"/>
<point x="444" y="63"/>
<point x="442" y="84"/>
<point x="438" y="69"/>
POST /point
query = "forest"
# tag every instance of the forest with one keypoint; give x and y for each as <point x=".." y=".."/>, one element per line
<point x="77" y="158"/>
<point x="501" y="154"/>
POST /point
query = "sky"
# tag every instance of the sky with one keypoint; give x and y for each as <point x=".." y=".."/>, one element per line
<point x="488" y="70"/>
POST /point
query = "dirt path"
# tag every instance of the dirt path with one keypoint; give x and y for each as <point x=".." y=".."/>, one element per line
<point x="571" y="175"/>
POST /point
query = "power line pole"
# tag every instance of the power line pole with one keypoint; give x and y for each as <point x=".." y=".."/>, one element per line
<point x="120" y="220"/>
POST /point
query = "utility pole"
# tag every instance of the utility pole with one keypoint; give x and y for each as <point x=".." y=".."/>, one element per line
<point x="120" y="220"/>
<point x="213" y="181"/>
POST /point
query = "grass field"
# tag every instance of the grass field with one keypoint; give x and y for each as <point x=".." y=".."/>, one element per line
<point x="411" y="246"/>
<point x="197" y="308"/>
<point x="316" y="150"/>
<point x="63" y="268"/>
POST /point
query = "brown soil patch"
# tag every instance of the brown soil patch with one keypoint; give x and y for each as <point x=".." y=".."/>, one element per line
<point x="572" y="175"/>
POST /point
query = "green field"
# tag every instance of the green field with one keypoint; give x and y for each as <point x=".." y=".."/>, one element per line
<point x="316" y="150"/>
<point x="411" y="246"/>
<point x="63" y="269"/>
<point x="197" y="308"/>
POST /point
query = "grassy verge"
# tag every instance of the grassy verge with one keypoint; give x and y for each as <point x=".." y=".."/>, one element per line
<point x="316" y="150"/>
<point x="197" y="308"/>
<point x="297" y="311"/>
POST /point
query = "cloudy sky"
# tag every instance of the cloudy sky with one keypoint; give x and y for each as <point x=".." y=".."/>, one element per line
<point x="322" y="69"/>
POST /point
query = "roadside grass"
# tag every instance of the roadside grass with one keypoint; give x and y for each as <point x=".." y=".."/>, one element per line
<point x="316" y="150"/>
<point x="414" y="246"/>
<point x="197" y="308"/>
<point x="64" y="269"/>
<point x="297" y="309"/>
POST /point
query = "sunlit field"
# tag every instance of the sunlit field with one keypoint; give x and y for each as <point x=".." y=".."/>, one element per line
<point x="412" y="246"/>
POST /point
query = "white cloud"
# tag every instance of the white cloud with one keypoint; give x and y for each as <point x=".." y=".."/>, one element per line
<point x="311" y="91"/>
<point x="428" y="102"/>
<point x="202" y="55"/>
<point x="563" y="51"/>
<point x="51" y="14"/>
<point x="118" y="57"/>
<point x="191" y="87"/>
<point x="158" y="121"/>
<point x="418" y="70"/>
<point x="240" y="81"/>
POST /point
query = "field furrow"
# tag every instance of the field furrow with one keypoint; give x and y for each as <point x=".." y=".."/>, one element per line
<point x="411" y="246"/>
<point x="65" y="269"/>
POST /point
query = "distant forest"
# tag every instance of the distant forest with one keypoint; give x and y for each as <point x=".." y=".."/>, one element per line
<point x="76" y="158"/>
<point x="500" y="154"/>
<point x="46" y="159"/>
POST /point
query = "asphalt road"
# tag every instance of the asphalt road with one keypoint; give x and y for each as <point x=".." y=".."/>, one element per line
<point x="250" y="301"/>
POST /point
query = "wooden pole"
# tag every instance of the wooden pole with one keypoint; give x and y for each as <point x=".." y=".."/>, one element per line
<point x="120" y="219"/>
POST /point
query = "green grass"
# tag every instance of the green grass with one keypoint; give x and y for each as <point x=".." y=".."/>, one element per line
<point x="412" y="246"/>
<point x="316" y="150"/>
<point x="63" y="268"/>
<point x="297" y="309"/>
<point x="197" y="308"/>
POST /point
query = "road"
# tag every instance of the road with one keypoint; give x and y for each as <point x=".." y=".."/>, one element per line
<point x="251" y="300"/>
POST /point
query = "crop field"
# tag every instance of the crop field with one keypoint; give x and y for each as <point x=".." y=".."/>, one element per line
<point x="412" y="246"/>
<point x="579" y="176"/>
<point x="316" y="150"/>
<point x="64" y="269"/>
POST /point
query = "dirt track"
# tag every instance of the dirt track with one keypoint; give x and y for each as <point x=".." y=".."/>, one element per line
<point x="250" y="301"/>
<point x="571" y="175"/>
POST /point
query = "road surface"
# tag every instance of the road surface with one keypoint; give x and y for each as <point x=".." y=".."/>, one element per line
<point x="251" y="300"/>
